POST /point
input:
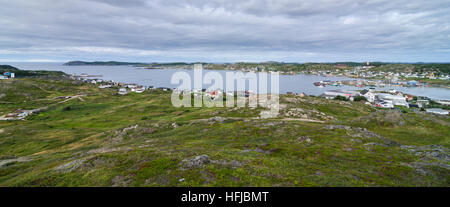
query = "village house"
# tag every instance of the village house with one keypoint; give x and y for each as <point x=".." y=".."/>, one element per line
<point x="7" y="75"/>
<point x="369" y="94"/>
<point x="17" y="115"/>
<point x="105" y="86"/>
<point x="138" y="89"/>
<point x="331" y="94"/>
<point x="385" y="104"/>
<point x="422" y="103"/>
<point x="132" y="85"/>
<point x="396" y="100"/>
<point x="165" y="88"/>
<point x="122" y="91"/>
<point x="444" y="102"/>
<point x="437" y="111"/>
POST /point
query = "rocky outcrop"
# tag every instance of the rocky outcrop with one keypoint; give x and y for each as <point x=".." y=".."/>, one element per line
<point x="203" y="160"/>
<point x="70" y="166"/>
<point x="305" y="139"/>
<point x="19" y="159"/>
<point x="431" y="155"/>
<point x="362" y="132"/>
<point x="196" y="162"/>
<point x="429" y="151"/>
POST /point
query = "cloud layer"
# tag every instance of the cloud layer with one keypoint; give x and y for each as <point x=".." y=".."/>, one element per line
<point x="225" y="30"/>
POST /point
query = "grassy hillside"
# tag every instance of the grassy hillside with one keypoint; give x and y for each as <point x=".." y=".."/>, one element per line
<point x="28" y="73"/>
<point x="101" y="139"/>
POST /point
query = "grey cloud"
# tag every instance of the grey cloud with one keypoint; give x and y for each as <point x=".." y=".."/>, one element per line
<point x="225" y="29"/>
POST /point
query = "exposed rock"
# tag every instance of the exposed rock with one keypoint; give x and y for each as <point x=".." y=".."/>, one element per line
<point x="423" y="168"/>
<point x="19" y="159"/>
<point x="198" y="161"/>
<point x="214" y="113"/>
<point x="120" y="133"/>
<point x="121" y="181"/>
<point x="97" y="162"/>
<point x="355" y="140"/>
<point x="268" y="114"/>
<point x="129" y="128"/>
<point x="383" y="118"/>
<point x="362" y="132"/>
<point x="291" y="100"/>
<point x="2" y="131"/>
<point x="107" y="150"/>
<point x="347" y="149"/>
<point x="273" y="123"/>
<point x="337" y="127"/>
<point x="148" y="130"/>
<point x="218" y="119"/>
<point x="174" y="125"/>
<point x="70" y="166"/>
<point x="375" y="144"/>
<point x="304" y="139"/>
<point x="260" y="150"/>
<point x="269" y="124"/>
<point x="233" y="163"/>
<point x="429" y="151"/>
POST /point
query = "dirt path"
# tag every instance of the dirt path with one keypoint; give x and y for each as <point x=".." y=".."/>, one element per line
<point x="20" y="159"/>
<point x="304" y="120"/>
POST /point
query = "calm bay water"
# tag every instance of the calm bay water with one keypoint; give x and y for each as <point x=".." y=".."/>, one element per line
<point x="162" y="77"/>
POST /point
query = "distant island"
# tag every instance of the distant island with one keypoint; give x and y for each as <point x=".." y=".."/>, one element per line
<point x="103" y="63"/>
<point x="28" y="73"/>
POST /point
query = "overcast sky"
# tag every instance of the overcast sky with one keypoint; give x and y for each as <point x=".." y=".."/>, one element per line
<point x="225" y="30"/>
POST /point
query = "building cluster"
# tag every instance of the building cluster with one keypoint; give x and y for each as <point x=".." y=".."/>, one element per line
<point x="368" y="83"/>
<point x="20" y="114"/>
<point x="387" y="99"/>
<point x="364" y="72"/>
<point x="7" y="75"/>
<point x="216" y="93"/>
<point x="123" y="88"/>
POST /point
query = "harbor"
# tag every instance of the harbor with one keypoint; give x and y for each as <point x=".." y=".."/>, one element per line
<point x="299" y="83"/>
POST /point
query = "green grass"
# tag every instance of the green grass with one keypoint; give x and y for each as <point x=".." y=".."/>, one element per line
<point x="267" y="151"/>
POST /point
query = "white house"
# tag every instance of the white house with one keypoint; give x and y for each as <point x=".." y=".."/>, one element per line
<point x="386" y="105"/>
<point x="138" y="89"/>
<point x="400" y="103"/>
<point x="123" y="91"/>
<point x="331" y="94"/>
<point x="437" y="111"/>
<point x="444" y="102"/>
<point x="369" y="95"/>
<point x="105" y="86"/>
<point x="422" y="103"/>
<point x="396" y="100"/>
<point x="131" y="85"/>
<point x="386" y="96"/>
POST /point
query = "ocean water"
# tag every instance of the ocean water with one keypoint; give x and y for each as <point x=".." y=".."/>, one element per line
<point x="162" y="78"/>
